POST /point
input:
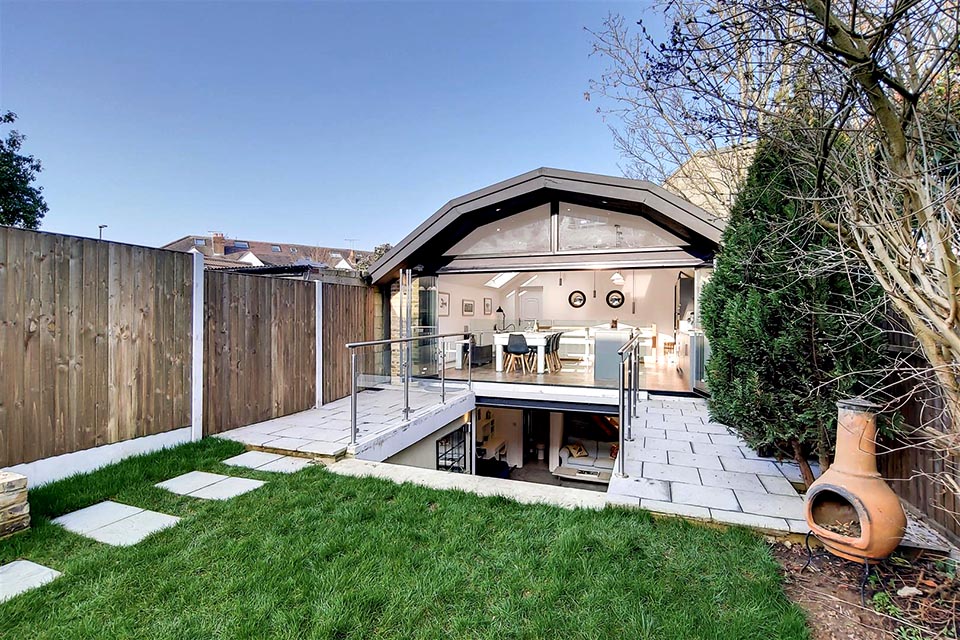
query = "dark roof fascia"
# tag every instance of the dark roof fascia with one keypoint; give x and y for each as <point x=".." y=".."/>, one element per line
<point x="595" y="185"/>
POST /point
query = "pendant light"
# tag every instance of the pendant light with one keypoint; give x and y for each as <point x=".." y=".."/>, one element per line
<point x="617" y="279"/>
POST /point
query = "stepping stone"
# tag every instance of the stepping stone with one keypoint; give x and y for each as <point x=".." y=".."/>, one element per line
<point x="22" y="575"/>
<point x="262" y="461"/>
<point x="209" y="486"/>
<point x="226" y="489"/>
<point x="190" y="482"/>
<point x="114" y="523"/>
<point x="252" y="459"/>
<point x="286" y="464"/>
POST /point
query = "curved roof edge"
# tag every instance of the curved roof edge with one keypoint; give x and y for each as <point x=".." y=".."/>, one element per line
<point x="640" y="191"/>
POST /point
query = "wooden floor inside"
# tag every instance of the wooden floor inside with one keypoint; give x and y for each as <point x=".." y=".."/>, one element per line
<point x="654" y="377"/>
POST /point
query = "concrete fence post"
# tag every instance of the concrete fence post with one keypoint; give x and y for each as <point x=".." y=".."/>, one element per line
<point x="196" y="374"/>
<point x="318" y="320"/>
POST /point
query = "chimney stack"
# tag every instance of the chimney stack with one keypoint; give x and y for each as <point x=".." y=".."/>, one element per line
<point x="217" y="244"/>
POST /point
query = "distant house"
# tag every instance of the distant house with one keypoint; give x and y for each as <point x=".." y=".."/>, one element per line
<point x="711" y="179"/>
<point x="273" y="258"/>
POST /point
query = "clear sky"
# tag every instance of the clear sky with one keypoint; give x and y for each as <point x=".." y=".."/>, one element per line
<point x="309" y="122"/>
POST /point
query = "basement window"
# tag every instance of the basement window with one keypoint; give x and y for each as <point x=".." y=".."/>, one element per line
<point x="452" y="451"/>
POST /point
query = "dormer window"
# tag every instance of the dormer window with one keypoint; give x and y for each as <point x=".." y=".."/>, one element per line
<point x="293" y="249"/>
<point x="199" y="242"/>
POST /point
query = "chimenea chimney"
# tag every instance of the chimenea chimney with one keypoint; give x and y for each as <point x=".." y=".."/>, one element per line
<point x="217" y="244"/>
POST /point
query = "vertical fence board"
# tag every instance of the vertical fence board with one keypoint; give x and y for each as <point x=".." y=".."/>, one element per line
<point x="259" y="349"/>
<point x="84" y="343"/>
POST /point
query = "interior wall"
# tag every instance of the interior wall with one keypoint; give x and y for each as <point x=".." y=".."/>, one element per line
<point x="653" y="290"/>
<point x="460" y="290"/>
<point x="508" y="424"/>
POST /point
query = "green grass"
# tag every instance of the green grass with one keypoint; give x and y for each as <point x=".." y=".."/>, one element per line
<point x="315" y="555"/>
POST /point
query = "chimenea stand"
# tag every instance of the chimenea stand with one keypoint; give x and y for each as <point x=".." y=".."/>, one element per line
<point x="850" y="508"/>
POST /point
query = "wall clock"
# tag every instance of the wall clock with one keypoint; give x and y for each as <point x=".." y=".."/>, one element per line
<point x="615" y="299"/>
<point x="577" y="299"/>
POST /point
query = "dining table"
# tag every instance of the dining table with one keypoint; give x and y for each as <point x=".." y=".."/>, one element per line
<point x="536" y="339"/>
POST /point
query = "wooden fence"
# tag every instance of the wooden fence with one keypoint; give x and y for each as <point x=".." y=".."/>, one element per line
<point x="259" y="349"/>
<point x="908" y="466"/>
<point x="349" y="315"/>
<point x="95" y="343"/>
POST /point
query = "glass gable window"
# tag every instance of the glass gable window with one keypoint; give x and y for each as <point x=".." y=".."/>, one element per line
<point x="587" y="229"/>
<point x="523" y="233"/>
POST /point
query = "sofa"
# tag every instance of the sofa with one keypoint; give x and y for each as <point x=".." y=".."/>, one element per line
<point x="597" y="458"/>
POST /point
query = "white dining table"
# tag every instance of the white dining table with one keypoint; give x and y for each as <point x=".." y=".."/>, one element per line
<point x="536" y="339"/>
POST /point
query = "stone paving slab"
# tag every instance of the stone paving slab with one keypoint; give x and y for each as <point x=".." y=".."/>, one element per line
<point x="767" y="504"/>
<point x="226" y="489"/>
<point x="524" y="492"/>
<point x="731" y="480"/>
<point x="116" y="524"/>
<point x="252" y="459"/>
<point x="683" y="459"/>
<point x="689" y="475"/>
<point x="700" y="496"/>
<point x="274" y="462"/>
<point x="93" y="517"/>
<point x="20" y="576"/>
<point x="635" y="487"/>
<point x="190" y="482"/>
<point x="209" y="486"/>
<point x="130" y="531"/>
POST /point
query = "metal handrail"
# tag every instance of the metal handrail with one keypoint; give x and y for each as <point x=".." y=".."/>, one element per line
<point x="628" y="393"/>
<point x="371" y="343"/>
<point x="630" y="344"/>
<point x="405" y="371"/>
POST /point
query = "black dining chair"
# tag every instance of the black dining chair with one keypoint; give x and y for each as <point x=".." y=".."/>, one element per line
<point x="553" y="352"/>
<point x="517" y="349"/>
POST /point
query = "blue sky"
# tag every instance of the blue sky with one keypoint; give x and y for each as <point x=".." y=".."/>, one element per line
<point x="308" y="122"/>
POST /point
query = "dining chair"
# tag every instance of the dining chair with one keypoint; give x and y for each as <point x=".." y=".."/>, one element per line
<point x="517" y="349"/>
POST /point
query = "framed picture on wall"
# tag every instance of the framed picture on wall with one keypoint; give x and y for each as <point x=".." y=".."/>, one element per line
<point x="443" y="304"/>
<point x="488" y="306"/>
<point x="468" y="307"/>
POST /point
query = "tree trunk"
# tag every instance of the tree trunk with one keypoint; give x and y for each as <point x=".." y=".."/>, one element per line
<point x="805" y="471"/>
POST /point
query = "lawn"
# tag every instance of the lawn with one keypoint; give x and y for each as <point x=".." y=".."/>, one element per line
<point x="316" y="555"/>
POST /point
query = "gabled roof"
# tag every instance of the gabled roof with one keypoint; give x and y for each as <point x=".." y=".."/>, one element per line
<point x="269" y="253"/>
<point x="655" y="202"/>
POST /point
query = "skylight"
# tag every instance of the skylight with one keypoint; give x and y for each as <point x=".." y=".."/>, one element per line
<point x="501" y="279"/>
<point x="275" y="248"/>
<point x="240" y="244"/>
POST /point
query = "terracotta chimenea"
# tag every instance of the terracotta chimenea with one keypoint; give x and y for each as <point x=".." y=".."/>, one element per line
<point x="850" y="508"/>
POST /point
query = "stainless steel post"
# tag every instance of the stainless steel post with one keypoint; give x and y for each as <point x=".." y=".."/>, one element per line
<point x="622" y="425"/>
<point x="408" y="359"/>
<point x="353" y="397"/>
<point x="473" y="442"/>
<point x="443" y="373"/>
<point x="469" y="365"/>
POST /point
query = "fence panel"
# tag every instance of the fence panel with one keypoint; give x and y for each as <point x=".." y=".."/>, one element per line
<point x="95" y="342"/>
<point x="259" y="349"/>
<point x="348" y="316"/>
<point x="908" y="468"/>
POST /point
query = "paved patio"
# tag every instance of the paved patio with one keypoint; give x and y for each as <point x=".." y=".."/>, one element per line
<point x="325" y="431"/>
<point x="679" y="462"/>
